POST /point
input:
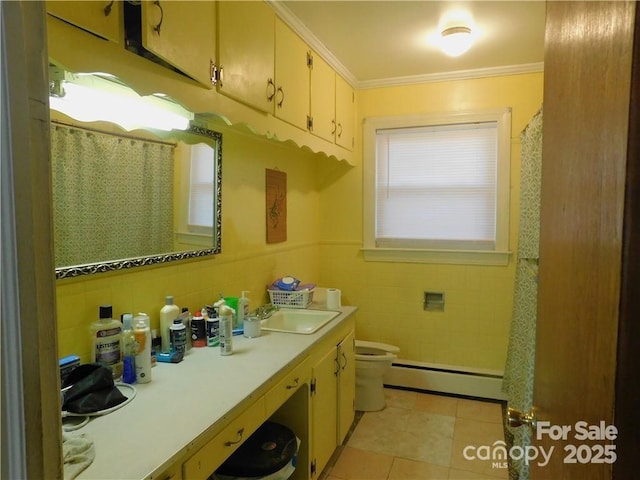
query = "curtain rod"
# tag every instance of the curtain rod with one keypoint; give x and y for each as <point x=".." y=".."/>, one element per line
<point x="106" y="132"/>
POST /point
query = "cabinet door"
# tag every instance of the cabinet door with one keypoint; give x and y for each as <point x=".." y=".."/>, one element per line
<point x="292" y="77"/>
<point x="323" y="93"/>
<point x="103" y="18"/>
<point x="346" y="385"/>
<point x="324" y="414"/>
<point x="345" y="113"/>
<point x="182" y="34"/>
<point x="246" y="46"/>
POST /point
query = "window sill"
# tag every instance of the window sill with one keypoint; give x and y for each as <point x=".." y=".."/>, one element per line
<point x="455" y="257"/>
<point x="199" y="239"/>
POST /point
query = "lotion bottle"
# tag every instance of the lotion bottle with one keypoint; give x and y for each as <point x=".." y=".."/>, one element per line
<point x="128" y="350"/>
<point x="243" y="308"/>
<point x="142" y="334"/>
<point x="226" y="329"/>
<point x="168" y="314"/>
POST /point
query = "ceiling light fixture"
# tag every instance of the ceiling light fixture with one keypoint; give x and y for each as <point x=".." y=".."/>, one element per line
<point x="454" y="41"/>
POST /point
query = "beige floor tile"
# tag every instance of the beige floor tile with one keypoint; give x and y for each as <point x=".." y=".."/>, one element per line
<point x="406" y="433"/>
<point x="403" y="469"/>
<point x="485" y="468"/>
<point x="481" y="411"/>
<point x="400" y="398"/>
<point x="439" y="404"/>
<point x="356" y="464"/>
<point x="475" y="431"/>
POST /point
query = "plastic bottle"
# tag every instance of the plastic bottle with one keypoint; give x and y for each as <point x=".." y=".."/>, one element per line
<point x="198" y="331"/>
<point x="142" y="334"/>
<point x="186" y="318"/>
<point x="226" y="330"/>
<point x="128" y="350"/>
<point x="178" y="335"/>
<point x="213" y="329"/>
<point x="243" y="309"/>
<point x="106" y="341"/>
<point x="168" y="314"/>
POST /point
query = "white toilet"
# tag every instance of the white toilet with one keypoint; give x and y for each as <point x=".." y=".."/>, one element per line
<point x="372" y="361"/>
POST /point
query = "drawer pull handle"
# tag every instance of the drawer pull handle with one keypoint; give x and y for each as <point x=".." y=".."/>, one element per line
<point x="228" y="443"/>
<point x="295" y="383"/>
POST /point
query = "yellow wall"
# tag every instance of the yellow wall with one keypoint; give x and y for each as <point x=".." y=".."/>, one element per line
<point x="473" y="330"/>
<point x="324" y="241"/>
<point x="246" y="262"/>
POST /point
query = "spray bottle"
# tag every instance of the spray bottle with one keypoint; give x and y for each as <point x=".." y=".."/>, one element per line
<point x="142" y="334"/>
<point x="128" y="349"/>
<point x="226" y="329"/>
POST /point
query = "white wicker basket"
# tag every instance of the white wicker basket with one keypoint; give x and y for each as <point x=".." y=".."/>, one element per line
<point x="295" y="299"/>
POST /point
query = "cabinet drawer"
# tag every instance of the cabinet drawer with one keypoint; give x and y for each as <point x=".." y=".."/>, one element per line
<point x="204" y="462"/>
<point x="288" y="386"/>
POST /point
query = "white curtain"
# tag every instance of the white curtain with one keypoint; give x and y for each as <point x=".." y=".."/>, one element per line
<point x="519" y="369"/>
<point x="113" y="196"/>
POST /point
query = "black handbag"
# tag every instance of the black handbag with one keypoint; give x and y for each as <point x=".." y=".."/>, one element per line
<point x="91" y="390"/>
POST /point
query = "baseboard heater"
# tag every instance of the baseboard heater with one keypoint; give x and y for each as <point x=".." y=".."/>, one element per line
<point x="446" y="379"/>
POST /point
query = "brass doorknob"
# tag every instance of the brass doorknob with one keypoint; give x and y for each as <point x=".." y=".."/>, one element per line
<point x="516" y="418"/>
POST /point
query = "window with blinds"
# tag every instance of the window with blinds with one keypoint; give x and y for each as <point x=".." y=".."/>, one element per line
<point x="438" y="183"/>
<point x="201" y="184"/>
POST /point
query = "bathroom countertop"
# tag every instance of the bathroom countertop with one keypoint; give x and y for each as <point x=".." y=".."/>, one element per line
<point x="185" y="400"/>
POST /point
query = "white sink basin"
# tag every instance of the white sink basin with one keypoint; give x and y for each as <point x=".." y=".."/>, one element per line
<point x="298" y="320"/>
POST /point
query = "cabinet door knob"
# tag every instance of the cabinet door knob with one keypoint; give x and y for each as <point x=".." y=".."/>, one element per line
<point x="159" y="25"/>
<point x="228" y="443"/>
<point x="333" y="125"/>
<point x="295" y="383"/>
<point x="107" y="9"/>
<point x="271" y="89"/>
<point x="281" y="98"/>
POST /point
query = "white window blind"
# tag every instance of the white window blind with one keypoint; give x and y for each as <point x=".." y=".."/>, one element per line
<point x="436" y="186"/>
<point x="201" y="184"/>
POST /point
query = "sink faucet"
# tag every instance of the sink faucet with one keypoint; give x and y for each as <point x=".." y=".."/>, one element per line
<point x="265" y="311"/>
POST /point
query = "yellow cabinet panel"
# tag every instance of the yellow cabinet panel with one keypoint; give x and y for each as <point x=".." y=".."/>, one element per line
<point x="324" y="412"/>
<point x="182" y="33"/>
<point x="286" y="387"/>
<point x="323" y="88"/>
<point x="346" y="385"/>
<point x="204" y="462"/>
<point x="246" y="46"/>
<point x="292" y="77"/>
<point x="103" y="17"/>
<point x="345" y="113"/>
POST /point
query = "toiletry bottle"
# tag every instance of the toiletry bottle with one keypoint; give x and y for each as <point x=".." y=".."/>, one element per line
<point x="106" y="340"/>
<point x="186" y="318"/>
<point x="168" y="314"/>
<point x="142" y="334"/>
<point x="226" y="329"/>
<point x="178" y="336"/>
<point x="198" y="331"/>
<point x="243" y="308"/>
<point x="213" y="329"/>
<point x="128" y="349"/>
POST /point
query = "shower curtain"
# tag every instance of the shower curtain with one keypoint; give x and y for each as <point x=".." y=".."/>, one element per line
<point x="519" y="368"/>
<point x="96" y="176"/>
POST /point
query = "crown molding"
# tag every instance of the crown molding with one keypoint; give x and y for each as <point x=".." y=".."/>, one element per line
<point x="309" y="37"/>
<point x="455" y="75"/>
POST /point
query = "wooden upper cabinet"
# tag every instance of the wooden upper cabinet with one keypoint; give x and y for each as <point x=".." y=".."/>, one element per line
<point x="323" y="98"/>
<point x="102" y="18"/>
<point x="246" y="46"/>
<point x="182" y="33"/>
<point x="291" y="102"/>
<point x="345" y="113"/>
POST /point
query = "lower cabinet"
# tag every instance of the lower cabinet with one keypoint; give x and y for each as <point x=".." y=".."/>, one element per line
<point x="332" y="400"/>
<point x="315" y="399"/>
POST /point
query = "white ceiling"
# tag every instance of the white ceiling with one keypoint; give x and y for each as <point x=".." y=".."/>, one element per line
<point x="384" y="42"/>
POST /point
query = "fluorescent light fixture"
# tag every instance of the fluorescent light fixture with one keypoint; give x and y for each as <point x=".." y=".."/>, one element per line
<point x="454" y="41"/>
<point x="90" y="98"/>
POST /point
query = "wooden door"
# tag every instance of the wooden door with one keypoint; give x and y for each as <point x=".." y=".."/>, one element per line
<point x="103" y="18"/>
<point x="345" y="113"/>
<point x="324" y="410"/>
<point x="346" y="385"/>
<point x="323" y="99"/>
<point x="588" y="67"/>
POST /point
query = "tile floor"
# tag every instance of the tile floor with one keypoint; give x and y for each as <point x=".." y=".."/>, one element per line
<point x="420" y="436"/>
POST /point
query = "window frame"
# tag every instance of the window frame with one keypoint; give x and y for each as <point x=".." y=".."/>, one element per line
<point x="500" y="254"/>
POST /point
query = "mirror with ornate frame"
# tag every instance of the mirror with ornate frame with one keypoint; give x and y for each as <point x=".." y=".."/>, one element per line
<point x="187" y="241"/>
